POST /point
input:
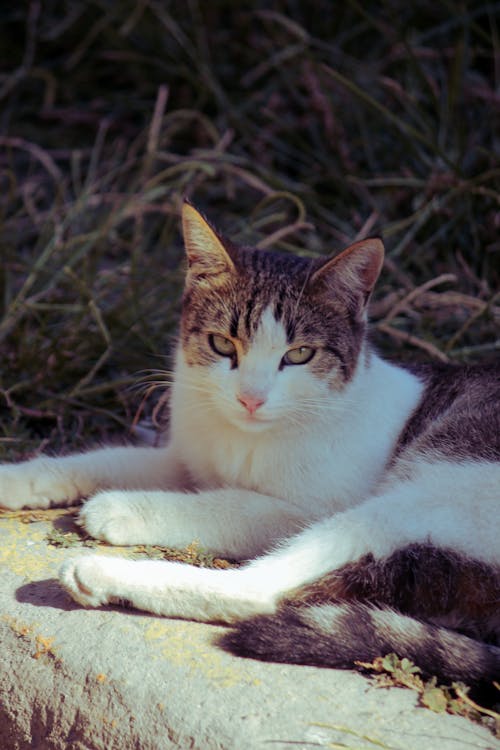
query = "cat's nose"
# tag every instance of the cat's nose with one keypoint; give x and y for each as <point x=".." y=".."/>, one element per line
<point x="250" y="402"/>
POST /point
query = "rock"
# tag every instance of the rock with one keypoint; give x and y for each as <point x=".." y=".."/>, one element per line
<point x="75" y="679"/>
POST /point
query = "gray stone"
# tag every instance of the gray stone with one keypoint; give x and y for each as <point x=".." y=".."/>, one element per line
<point x="111" y="678"/>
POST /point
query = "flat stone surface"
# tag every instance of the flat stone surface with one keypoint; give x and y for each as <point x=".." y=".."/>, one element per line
<point x="107" y="679"/>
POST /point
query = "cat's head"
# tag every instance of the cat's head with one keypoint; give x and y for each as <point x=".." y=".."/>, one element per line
<point x="267" y="337"/>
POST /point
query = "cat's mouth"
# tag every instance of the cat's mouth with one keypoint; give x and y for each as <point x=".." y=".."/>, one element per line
<point x="252" y="422"/>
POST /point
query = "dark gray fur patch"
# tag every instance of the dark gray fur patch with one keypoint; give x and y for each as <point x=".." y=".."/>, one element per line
<point x="458" y="415"/>
<point x="420" y="580"/>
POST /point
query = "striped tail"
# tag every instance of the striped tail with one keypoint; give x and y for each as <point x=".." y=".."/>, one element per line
<point x="338" y="635"/>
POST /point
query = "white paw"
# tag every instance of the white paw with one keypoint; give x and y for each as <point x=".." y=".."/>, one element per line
<point x="87" y="579"/>
<point x="34" y="484"/>
<point x="115" y="517"/>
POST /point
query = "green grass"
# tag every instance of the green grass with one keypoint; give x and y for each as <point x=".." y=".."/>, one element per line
<point x="300" y="126"/>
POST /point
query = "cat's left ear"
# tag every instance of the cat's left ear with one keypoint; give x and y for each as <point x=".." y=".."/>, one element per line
<point x="206" y="253"/>
<point x="353" y="272"/>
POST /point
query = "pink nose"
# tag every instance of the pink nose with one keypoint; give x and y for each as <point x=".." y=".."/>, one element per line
<point x="251" y="403"/>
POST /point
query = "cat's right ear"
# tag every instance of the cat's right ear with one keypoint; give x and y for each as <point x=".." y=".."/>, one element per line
<point x="205" y="251"/>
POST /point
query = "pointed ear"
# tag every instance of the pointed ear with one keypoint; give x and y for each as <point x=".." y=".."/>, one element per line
<point x="354" y="271"/>
<point x="205" y="251"/>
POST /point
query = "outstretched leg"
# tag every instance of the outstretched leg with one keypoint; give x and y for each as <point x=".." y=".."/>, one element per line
<point x="237" y="524"/>
<point x="413" y="512"/>
<point x="44" y="482"/>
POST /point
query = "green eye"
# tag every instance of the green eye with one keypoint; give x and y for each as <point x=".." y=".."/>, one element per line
<point x="221" y="345"/>
<point x="298" y="356"/>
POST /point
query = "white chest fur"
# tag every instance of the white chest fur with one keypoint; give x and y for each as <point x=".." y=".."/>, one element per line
<point x="332" y="460"/>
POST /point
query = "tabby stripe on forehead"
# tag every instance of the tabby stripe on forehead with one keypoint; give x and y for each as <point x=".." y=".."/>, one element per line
<point x="248" y="316"/>
<point x="290" y="330"/>
<point x="278" y="308"/>
<point x="233" y="326"/>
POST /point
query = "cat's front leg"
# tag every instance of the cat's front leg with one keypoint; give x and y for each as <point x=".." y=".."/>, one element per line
<point x="44" y="481"/>
<point x="41" y="483"/>
<point x="179" y="590"/>
<point x="169" y="589"/>
<point x="235" y="523"/>
<point x="412" y="512"/>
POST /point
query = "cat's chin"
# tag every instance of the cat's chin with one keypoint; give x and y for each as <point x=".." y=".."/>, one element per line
<point x="251" y="424"/>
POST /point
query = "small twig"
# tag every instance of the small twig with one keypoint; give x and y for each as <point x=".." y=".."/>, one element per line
<point x="472" y="319"/>
<point x="103" y="329"/>
<point x="38" y="153"/>
<point x="283" y="232"/>
<point x="408" y="338"/>
<point x="367" y="226"/>
<point x="155" y="127"/>
<point x="403" y="303"/>
<point x="248" y="177"/>
<point x="463" y="696"/>
<point x="29" y="50"/>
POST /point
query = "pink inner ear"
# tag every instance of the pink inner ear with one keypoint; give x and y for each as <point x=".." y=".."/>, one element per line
<point x="357" y="267"/>
<point x="372" y="260"/>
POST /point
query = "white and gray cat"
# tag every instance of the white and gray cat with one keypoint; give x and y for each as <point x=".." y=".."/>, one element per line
<point x="364" y="494"/>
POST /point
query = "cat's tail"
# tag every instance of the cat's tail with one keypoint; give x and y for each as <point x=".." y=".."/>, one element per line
<point x="339" y="635"/>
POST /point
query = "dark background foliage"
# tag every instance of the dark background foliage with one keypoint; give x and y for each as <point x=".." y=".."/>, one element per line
<point x="297" y="125"/>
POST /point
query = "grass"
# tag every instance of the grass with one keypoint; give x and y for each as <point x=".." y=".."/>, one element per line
<point x="289" y="124"/>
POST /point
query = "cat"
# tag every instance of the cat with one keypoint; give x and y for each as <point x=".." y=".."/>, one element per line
<point x="363" y="495"/>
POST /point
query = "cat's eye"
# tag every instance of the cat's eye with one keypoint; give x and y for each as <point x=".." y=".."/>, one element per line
<point x="299" y="356"/>
<point x="221" y="345"/>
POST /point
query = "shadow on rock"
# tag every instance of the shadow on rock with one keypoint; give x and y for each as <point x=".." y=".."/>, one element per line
<point x="46" y="593"/>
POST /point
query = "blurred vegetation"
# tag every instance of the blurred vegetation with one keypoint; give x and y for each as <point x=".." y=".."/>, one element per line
<point x="297" y="125"/>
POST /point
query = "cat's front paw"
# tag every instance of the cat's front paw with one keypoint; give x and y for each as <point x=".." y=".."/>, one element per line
<point x="34" y="484"/>
<point x="115" y="517"/>
<point x="87" y="579"/>
<point x="15" y="488"/>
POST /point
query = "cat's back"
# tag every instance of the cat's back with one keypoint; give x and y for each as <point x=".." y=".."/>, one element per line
<point x="458" y="415"/>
